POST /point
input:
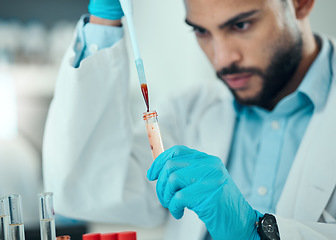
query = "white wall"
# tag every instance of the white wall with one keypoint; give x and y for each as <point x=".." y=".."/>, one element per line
<point x="323" y="17"/>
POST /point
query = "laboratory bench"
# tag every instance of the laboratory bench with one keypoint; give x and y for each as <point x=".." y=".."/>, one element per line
<point x="74" y="231"/>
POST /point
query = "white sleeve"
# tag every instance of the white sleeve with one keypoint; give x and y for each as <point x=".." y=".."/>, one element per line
<point x="299" y="230"/>
<point x="92" y="160"/>
<point x="90" y="38"/>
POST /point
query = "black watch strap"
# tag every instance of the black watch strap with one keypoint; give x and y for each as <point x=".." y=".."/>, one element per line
<point x="268" y="228"/>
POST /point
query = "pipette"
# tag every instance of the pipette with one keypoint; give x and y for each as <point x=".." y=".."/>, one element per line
<point x="126" y="6"/>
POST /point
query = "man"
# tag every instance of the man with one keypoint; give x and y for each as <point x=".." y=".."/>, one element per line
<point x="271" y="171"/>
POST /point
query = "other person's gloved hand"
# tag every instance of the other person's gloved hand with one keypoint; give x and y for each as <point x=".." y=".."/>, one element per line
<point x="200" y="182"/>
<point x="108" y="9"/>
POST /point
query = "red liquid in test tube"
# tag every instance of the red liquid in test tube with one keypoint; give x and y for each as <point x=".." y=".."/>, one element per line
<point x="144" y="91"/>
<point x="154" y="134"/>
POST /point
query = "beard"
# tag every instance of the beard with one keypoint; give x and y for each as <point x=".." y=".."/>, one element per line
<point x="284" y="62"/>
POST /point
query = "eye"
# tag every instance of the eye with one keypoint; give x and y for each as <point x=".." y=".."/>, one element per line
<point x="241" y="26"/>
<point x="200" y="32"/>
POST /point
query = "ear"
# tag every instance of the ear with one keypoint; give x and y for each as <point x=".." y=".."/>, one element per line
<point x="303" y="7"/>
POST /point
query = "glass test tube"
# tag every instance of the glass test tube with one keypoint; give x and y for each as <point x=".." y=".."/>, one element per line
<point x="4" y="218"/>
<point x="153" y="131"/>
<point x="47" y="216"/>
<point x="16" y="227"/>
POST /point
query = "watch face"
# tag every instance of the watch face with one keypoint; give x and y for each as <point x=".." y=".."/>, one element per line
<point x="270" y="228"/>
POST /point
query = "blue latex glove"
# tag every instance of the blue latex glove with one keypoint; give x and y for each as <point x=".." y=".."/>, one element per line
<point x="108" y="9"/>
<point x="200" y="182"/>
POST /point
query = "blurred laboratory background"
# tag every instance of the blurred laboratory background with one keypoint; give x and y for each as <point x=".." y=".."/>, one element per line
<point x="33" y="38"/>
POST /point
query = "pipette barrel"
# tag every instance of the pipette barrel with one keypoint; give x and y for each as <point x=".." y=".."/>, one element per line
<point x="142" y="79"/>
<point x="127" y="8"/>
<point x="141" y="71"/>
<point x="4" y="218"/>
<point x="154" y="134"/>
<point x="16" y="227"/>
<point x="47" y="216"/>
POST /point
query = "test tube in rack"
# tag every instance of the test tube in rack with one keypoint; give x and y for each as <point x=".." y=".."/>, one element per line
<point x="16" y="227"/>
<point x="153" y="131"/>
<point x="4" y="218"/>
<point x="47" y="216"/>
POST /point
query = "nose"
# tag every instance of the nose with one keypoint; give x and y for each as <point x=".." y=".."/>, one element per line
<point x="225" y="53"/>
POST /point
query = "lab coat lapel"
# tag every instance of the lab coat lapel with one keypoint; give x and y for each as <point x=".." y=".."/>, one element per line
<point x="312" y="178"/>
<point x="214" y="123"/>
<point x="220" y="130"/>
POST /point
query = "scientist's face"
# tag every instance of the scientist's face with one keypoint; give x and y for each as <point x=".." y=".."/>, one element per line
<point x="255" y="46"/>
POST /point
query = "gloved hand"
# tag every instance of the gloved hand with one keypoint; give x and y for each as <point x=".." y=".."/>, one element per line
<point x="200" y="182"/>
<point x="108" y="9"/>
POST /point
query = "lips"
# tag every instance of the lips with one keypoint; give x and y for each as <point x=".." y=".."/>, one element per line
<point x="237" y="81"/>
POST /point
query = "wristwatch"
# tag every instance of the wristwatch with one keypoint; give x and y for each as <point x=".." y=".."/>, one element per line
<point x="267" y="228"/>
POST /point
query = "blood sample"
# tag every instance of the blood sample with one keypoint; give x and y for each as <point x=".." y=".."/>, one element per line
<point x="144" y="91"/>
<point x="153" y="131"/>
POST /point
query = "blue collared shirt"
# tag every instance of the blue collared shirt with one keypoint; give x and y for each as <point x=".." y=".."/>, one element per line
<point x="266" y="142"/>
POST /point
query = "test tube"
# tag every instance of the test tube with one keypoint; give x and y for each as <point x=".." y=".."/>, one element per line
<point x="109" y="236"/>
<point x="47" y="216"/>
<point x="128" y="235"/>
<point x="91" y="236"/>
<point x="4" y="218"/>
<point x="153" y="131"/>
<point x="16" y="227"/>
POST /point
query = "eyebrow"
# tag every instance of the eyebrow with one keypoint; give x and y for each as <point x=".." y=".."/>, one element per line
<point x="229" y="22"/>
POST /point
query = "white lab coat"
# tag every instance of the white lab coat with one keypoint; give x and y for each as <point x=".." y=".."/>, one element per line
<point x="95" y="161"/>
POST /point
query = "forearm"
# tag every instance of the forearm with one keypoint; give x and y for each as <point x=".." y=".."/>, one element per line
<point x="106" y="22"/>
